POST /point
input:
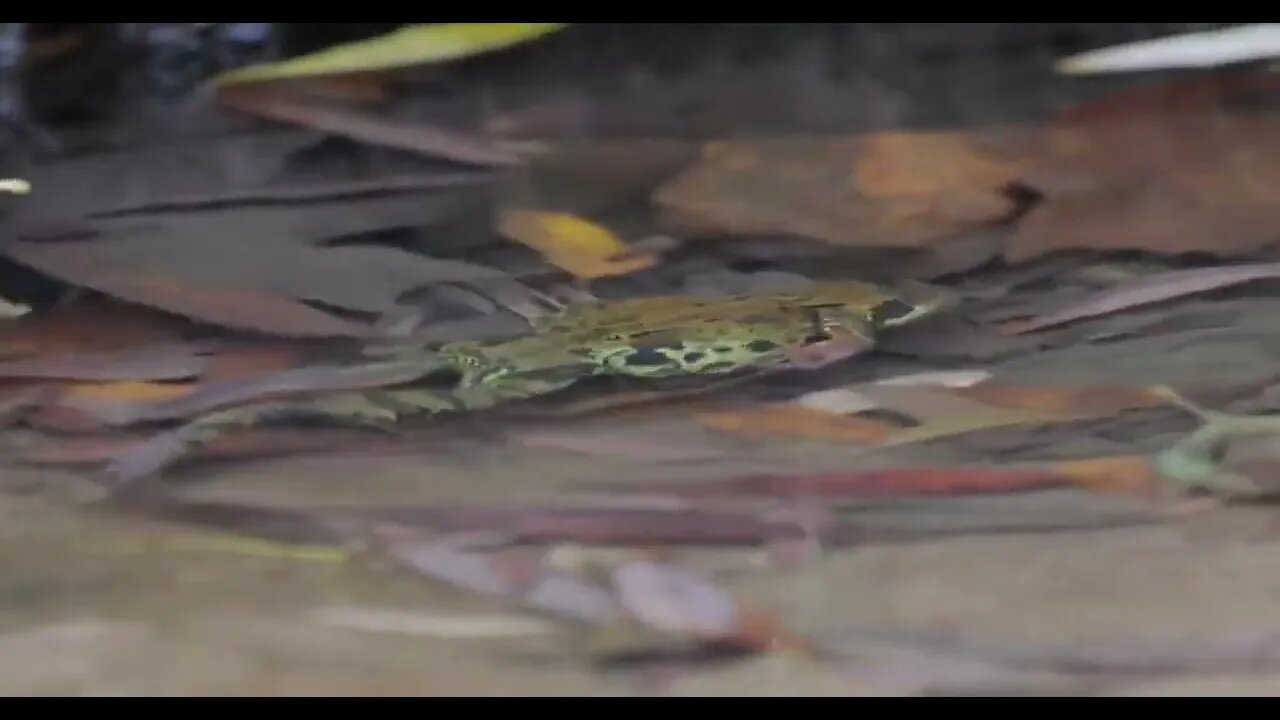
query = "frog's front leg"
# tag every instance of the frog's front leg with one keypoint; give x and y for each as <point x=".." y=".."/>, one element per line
<point x="352" y="408"/>
<point x="514" y="386"/>
<point x="380" y="409"/>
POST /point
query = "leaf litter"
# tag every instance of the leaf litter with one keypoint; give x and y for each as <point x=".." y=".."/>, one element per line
<point x="1093" y="190"/>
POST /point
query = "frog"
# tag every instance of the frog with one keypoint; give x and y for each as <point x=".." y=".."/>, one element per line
<point x="643" y="338"/>
<point x="882" y="306"/>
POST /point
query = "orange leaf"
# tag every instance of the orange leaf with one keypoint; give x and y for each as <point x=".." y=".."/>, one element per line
<point x="795" y="420"/>
<point x="581" y="247"/>
<point x="928" y="165"/>
<point x="1125" y="474"/>
<point x="85" y="407"/>
<point x="1058" y="400"/>
<point x="935" y="411"/>
<point x="252" y="443"/>
<point x="1163" y="183"/>
<point x="87" y="327"/>
<point x="76" y="263"/>
<point x="905" y="190"/>
<point x="130" y="391"/>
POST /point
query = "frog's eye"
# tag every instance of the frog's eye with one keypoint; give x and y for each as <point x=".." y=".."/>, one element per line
<point x="892" y="311"/>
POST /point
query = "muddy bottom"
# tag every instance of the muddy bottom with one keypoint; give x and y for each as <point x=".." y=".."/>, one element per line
<point x="99" y="604"/>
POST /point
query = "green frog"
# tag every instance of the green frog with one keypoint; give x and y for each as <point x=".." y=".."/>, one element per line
<point x="654" y="337"/>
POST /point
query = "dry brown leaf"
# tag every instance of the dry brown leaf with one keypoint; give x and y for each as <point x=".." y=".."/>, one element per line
<point x="1147" y="290"/>
<point x="358" y="89"/>
<point x="170" y="361"/>
<point x="932" y="165"/>
<point x="670" y="599"/>
<point x="1165" y="184"/>
<point x="245" y="361"/>
<point x="87" y="407"/>
<point x="635" y="444"/>
<point x="928" y="412"/>
<point x="236" y="308"/>
<point x="131" y="391"/>
<point x="1126" y="474"/>
<point x="420" y="137"/>
<point x="1200" y="93"/>
<point x="579" y="246"/>
<point x="795" y="420"/>
<point x="1064" y="400"/>
<point x="87" y="326"/>
<point x="880" y="190"/>
<point x="238" y="445"/>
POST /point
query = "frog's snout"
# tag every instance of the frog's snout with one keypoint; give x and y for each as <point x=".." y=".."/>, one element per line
<point x="914" y="300"/>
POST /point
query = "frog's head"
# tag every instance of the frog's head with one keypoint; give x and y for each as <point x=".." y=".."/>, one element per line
<point x="905" y="303"/>
<point x="865" y="308"/>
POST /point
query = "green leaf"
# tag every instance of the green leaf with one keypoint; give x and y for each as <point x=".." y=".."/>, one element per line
<point x="413" y="45"/>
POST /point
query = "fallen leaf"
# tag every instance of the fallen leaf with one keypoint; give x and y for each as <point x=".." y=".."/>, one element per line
<point x="85" y="407"/>
<point x="1168" y="183"/>
<point x="903" y="190"/>
<point x="355" y="89"/>
<point x="252" y="443"/>
<point x="15" y="186"/>
<point x="1145" y="291"/>
<point x="897" y="165"/>
<point x="578" y="246"/>
<point x="413" y="45"/>
<point x="80" y="407"/>
<point x="164" y="362"/>
<point x="847" y="401"/>
<point x="249" y="360"/>
<point x="235" y="308"/>
<point x="674" y="600"/>
<point x="789" y="420"/>
<point x="105" y="181"/>
<point x="1215" y="92"/>
<point x="569" y="117"/>
<point x="1210" y="48"/>
<point x="416" y="136"/>
<point x="633" y="444"/>
<point x="136" y="391"/>
<point x="265" y="251"/>
<point x="298" y="381"/>
<point x="922" y="412"/>
<point x="1127" y="474"/>
<point x="301" y="193"/>
<point x="87" y="327"/>
<point x="1065" y="400"/>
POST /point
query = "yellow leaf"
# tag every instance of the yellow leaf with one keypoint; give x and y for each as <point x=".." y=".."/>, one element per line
<point x="16" y="186"/>
<point x="131" y="391"/>
<point x="575" y="245"/>
<point x="413" y="45"/>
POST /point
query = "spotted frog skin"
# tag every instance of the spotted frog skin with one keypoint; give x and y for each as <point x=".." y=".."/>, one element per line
<point x="654" y="337"/>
